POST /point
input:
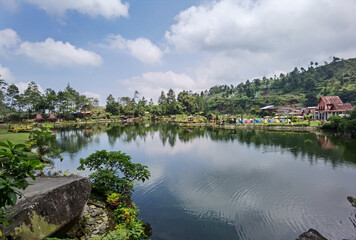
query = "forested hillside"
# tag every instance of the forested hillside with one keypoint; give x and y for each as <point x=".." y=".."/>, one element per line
<point x="301" y="87"/>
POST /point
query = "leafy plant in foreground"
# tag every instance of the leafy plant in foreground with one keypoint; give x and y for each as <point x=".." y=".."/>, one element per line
<point x="15" y="167"/>
<point x="44" y="141"/>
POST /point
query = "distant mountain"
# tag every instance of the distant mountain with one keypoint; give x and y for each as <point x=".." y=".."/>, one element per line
<point x="301" y="87"/>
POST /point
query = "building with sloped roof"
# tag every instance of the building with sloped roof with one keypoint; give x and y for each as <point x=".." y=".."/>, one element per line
<point x="332" y="106"/>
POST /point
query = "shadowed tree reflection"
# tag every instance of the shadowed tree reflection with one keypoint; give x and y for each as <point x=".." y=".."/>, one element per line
<point x="309" y="146"/>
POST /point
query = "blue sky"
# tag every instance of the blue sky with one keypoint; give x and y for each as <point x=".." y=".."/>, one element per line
<point x="117" y="47"/>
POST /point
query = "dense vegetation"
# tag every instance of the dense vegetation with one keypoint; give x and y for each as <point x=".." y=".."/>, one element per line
<point x="345" y="125"/>
<point x="15" y="168"/>
<point x="15" y="105"/>
<point x="301" y="87"/>
<point x="114" y="176"/>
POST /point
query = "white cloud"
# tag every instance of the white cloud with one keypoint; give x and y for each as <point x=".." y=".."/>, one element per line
<point x="6" y="75"/>
<point x="263" y="25"/>
<point x="141" y="48"/>
<point x="8" y="39"/>
<point x="51" y="52"/>
<point x="151" y="84"/>
<point x="22" y="86"/>
<point x="92" y="95"/>
<point x="93" y="8"/>
<point x="243" y="39"/>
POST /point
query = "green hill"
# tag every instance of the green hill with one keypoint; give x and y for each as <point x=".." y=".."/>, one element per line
<point x="301" y="87"/>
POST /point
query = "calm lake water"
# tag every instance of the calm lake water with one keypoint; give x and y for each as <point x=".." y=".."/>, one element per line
<point x="211" y="183"/>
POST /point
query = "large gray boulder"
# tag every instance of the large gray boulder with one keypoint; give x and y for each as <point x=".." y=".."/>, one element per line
<point x="49" y="205"/>
<point x="312" y="234"/>
<point x="352" y="200"/>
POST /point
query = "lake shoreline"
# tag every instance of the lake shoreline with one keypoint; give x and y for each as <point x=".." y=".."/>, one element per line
<point x="278" y="128"/>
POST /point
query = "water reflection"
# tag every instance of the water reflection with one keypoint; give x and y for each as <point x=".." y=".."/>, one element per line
<point x="210" y="183"/>
<point x="309" y="146"/>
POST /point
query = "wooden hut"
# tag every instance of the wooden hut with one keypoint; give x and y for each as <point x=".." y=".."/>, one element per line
<point x="38" y="117"/>
<point x="52" y="117"/>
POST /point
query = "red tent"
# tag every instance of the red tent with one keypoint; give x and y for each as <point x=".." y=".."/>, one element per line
<point x="38" y="117"/>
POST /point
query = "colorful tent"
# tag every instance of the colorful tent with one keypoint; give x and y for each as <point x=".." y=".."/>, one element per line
<point x="246" y="121"/>
<point x="276" y="121"/>
<point x="264" y="121"/>
<point x="253" y="121"/>
<point x="270" y="121"/>
<point x="258" y="121"/>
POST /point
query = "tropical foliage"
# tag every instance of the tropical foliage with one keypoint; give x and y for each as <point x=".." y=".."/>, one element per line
<point x="345" y="125"/>
<point x="44" y="142"/>
<point x="15" y="168"/>
<point x="114" y="177"/>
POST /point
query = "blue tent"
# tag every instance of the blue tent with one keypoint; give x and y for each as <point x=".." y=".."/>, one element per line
<point x="258" y="121"/>
<point x="281" y="120"/>
<point x="240" y="121"/>
<point x="253" y="121"/>
<point x="270" y="121"/>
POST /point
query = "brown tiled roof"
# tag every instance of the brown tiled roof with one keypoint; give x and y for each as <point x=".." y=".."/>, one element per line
<point x="344" y="106"/>
<point x="331" y="100"/>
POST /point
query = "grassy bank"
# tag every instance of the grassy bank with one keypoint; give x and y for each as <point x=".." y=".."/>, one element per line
<point x="13" y="137"/>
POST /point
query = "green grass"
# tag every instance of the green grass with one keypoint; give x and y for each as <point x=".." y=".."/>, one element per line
<point x="17" y="138"/>
<point x="13" y="137"/>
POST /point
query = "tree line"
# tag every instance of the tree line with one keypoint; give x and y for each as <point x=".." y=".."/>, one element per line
<point x="168" y="104"/>
<point x="300" y="87"/>
<point x="15" y="105"/>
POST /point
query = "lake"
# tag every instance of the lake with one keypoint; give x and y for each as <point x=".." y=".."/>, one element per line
<point x="211" y="183"/>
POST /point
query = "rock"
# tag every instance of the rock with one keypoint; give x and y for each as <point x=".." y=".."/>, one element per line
<point x="312" y="234"/>
<point x="352" y="200"/>
<point x="91" y="221"/>
<point x="102" y="227"/>
<point x="50" y="205"/>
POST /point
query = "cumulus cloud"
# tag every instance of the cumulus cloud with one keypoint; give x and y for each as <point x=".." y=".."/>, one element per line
<point x="92" y="95"/>
<point x="93" y="8"/>
<point x="6" y="74"/>
<point x="252" y="38"/>
<point x="141" y="48"/>
<point x="151" y="84"/>
<point x="22" y="86"/>
<point x="8" y="39"/>
<point x="51" y="52"/>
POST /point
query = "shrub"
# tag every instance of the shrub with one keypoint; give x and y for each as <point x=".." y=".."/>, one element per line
<point x="109" y="166"/>
<point x="15" y="167"/>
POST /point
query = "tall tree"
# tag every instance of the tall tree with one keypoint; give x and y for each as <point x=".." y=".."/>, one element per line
<point x="12" y="96"/>
<point x="33" y="97"/>
<point x="112" y="105"/>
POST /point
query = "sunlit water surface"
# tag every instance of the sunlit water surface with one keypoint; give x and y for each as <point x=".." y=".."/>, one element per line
<point x="230" y="184"/>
